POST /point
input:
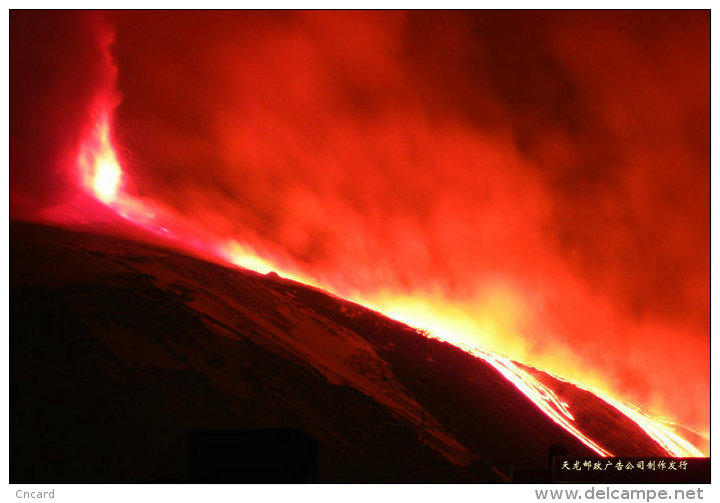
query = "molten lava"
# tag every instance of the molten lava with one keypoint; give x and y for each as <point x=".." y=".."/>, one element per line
<point x="105" y="172"/>
<point x="103" y="177"/>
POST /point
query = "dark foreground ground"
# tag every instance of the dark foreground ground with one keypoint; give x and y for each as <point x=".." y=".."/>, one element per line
<point x="132" y="363"/>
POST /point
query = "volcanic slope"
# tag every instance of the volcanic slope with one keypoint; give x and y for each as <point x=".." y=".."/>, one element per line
<point x="118" y="350"/>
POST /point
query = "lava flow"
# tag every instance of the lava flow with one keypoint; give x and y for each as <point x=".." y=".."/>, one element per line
<point x="104" y="178"/>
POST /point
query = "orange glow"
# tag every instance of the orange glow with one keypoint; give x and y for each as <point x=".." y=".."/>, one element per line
<point x="500" y="308"/>
<point x="658" y="429"/>
<point x="244" y="257"/>
<point x="662" y="431"/>
<point x="546" y="400"/>
<point x="436" y="218"/>
<point x="455" y="327"/>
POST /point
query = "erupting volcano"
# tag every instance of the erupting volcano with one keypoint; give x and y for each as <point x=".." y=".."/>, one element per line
<point x="479" y="234"/>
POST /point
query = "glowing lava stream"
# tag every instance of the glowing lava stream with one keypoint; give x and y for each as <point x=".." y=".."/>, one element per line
<point x="541" y="395"/>
<point x="102" y="176"/>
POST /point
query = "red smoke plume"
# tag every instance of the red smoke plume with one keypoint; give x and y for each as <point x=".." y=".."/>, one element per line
<point x="537" y="183"/>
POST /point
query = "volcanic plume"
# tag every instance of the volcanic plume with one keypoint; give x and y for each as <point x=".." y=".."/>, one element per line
<point x="531" y="184"/>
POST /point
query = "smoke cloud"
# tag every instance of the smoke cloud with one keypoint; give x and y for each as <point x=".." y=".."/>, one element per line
<point x="542" y="175"/>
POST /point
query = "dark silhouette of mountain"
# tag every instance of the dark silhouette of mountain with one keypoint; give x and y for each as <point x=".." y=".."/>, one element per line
<point x="126" y="357"/>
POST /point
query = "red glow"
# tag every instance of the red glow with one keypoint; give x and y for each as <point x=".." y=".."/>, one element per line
<point x="97" y="156"/>
<point x="532" y="187"/>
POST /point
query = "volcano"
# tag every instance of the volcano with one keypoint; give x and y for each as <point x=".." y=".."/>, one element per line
<point x="124" y="354"/>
